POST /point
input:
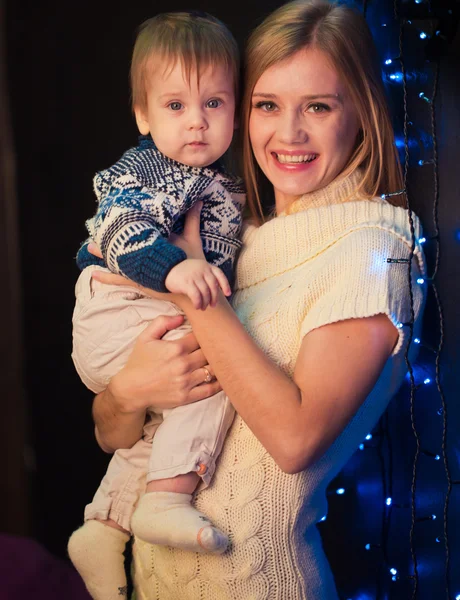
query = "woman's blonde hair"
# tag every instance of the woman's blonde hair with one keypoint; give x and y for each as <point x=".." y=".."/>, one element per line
<point x="342" y="34"/>
<point x="196" y="39"/>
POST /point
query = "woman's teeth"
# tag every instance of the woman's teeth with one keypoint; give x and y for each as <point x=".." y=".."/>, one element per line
<point x="285" y="158"/>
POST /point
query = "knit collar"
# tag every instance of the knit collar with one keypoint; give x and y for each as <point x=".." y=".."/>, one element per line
<point x="341" y="189"/>
<point x="315" y="222"/>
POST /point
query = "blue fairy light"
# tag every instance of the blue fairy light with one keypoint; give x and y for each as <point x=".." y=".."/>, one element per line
<point x="367" y="546"/>
<point x="340" y="491"/>
<point x="422" y="240"/>
<point x="388" y="501"/>
<point x="427" y="381"/>
<point x="424" y="97"/>
<point x="393" y="571"/>
<point x="416" y="340"/>
<point x="388" y="61"/>
<point x="361" y="446"/>
<point x="423" y="35"/>
<point x="398" y="76"/>
<point x="368" y="436"/>
<point x="420" y="281"/>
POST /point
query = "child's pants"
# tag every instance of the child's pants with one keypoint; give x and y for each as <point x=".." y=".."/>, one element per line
<point x="106" y="323"/>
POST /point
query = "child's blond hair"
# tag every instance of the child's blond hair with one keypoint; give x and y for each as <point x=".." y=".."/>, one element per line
<point x="196" y="39"/>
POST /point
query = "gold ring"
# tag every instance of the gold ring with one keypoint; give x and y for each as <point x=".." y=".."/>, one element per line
<point x="208" y="376"/>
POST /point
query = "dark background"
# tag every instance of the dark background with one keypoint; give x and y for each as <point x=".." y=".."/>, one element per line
<point x="65" y="114"/>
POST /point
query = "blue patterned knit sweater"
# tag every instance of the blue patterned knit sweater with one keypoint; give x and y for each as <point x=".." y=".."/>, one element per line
<point x="143" y="198"/>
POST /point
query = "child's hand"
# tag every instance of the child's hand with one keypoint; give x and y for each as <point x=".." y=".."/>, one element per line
<point x="198" y="280"/>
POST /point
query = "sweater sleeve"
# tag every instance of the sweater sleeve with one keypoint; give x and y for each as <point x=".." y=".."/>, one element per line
<point x="131" y="229"/>
<point x="354" y="280"/>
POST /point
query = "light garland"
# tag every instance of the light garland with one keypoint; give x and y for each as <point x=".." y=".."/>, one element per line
<point x="435" y="38"/>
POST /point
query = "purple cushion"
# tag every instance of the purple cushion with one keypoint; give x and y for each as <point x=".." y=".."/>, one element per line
<point x="28" y="570"/>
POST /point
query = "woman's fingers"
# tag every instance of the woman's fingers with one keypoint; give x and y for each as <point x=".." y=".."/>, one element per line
<point x="111" y="278"/>
<point x="159" y="326"/>
<point x="192" y="222"/>
<point x="206" y="390"/>
<point x="94" y="249"/>
<point x="199" y="376"/>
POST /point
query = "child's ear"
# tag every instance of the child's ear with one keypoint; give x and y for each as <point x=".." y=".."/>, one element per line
<point x="142" y="121"/>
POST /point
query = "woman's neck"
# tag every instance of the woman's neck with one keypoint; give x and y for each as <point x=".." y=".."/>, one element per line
<point x="341" y="189"/>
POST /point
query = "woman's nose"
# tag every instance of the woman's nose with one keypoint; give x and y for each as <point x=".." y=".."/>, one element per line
<point x="291" y="129"/>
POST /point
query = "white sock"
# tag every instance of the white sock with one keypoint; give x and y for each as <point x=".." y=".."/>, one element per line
<point x="96" y="551"/>
<point x="169" y="519"/>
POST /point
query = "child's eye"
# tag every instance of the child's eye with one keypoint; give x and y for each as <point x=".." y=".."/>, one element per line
<point x="318" y="108"/>
<point x="175" y="105"/>
<point x="214" y="103"/>
<point x="266" y="106"/>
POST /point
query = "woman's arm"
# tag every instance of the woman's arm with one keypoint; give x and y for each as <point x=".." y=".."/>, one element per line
<point x="295" y="420"/>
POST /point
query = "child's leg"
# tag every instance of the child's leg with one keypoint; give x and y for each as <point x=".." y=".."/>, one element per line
<point x="97" y="552"/>
<point x="184" y="450"/>
<point x="97" y="548"/>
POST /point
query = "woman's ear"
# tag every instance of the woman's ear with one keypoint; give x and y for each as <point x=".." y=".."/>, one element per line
<point x="142" y="121"/>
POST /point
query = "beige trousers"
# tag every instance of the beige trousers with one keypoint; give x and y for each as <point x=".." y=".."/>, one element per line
<point x="106" y="323"/>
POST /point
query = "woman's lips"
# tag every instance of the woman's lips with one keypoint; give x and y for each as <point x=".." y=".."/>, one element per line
<point x="291" y="164"/>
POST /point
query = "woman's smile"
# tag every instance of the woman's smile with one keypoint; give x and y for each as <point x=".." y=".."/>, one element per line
<point x="302" y="126"/>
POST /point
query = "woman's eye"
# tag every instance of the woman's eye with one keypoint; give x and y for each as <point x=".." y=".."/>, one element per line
<point x="318" y="108"/>
<point x="266" y="106"/>
<point x="215" y="103"/>
<point x="175" y="105"/>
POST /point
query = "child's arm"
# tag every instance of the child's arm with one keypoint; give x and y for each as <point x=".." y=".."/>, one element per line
<point x="133" y="236"/>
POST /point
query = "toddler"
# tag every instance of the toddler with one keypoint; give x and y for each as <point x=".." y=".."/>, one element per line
<point x="184" y="78"/>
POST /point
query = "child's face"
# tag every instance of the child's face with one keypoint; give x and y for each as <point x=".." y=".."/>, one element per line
<point x="190" y="122"/>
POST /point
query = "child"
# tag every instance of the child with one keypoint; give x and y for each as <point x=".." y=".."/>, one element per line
<point x="184" y="77"/>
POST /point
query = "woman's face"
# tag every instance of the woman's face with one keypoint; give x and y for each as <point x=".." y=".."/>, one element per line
<point x="302" y="125"/>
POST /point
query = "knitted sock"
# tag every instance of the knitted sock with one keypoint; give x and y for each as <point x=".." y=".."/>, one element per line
<point x="169" y="519"/>
<point x="96" y="551"/>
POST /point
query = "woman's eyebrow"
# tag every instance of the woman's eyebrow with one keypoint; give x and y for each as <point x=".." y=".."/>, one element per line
<point x="306" y="97"/>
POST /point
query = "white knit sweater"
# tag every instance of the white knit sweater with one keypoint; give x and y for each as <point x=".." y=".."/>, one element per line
<point x="324" y="262"/>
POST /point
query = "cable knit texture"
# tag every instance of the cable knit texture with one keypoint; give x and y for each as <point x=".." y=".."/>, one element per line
<point x="323" y="262"/>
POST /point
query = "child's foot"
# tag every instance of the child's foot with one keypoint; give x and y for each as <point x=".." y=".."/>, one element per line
<point x="96" y="551"/>
<point x="169" y="519"/>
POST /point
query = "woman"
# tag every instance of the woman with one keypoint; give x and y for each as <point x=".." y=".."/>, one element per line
<point x="315" y="348"/>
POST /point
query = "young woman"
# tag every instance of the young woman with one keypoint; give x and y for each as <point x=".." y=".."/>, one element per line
<point x="314" y="346"/>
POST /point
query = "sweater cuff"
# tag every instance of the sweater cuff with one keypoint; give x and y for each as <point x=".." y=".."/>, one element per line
<point x="150" y="266"/>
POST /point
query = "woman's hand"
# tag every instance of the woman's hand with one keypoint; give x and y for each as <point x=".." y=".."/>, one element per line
<point x="162" y="373"/>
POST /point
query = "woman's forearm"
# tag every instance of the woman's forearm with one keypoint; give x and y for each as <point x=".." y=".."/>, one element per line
<point x="114" y="427"/>
<point x="255" y="385"/>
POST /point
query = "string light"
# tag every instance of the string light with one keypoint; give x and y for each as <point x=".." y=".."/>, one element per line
<point x="424" y="97"/>
<point x="424" y="144"/>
